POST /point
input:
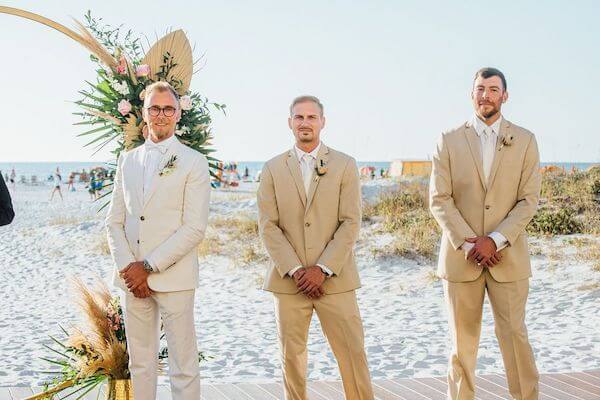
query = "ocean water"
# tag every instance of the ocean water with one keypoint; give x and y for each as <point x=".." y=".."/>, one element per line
<point x="44" y="170"/>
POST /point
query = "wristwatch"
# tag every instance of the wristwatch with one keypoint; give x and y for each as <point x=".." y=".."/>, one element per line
<point x="147" y="267"/>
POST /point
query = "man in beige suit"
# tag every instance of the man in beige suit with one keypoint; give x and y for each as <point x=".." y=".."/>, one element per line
<point x="309" y="205"/>
<point x="484" y="190"/>
<point x="157" y="218"/>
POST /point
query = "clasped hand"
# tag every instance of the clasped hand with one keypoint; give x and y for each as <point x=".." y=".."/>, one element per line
<point x="136" y="279"/>
<point x="310" y="280"/>
<point x="484" y="252"/>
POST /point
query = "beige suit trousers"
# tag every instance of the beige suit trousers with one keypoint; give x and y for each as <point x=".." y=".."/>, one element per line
<point x="342" y="326"/>
<point x="465" y="308"/>
<point x="142" y="323"/>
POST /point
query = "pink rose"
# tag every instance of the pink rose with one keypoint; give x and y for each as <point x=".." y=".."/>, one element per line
<point x="122" y="67"/>
<point x="142" y="70"/>
<point x="124" y="107"/>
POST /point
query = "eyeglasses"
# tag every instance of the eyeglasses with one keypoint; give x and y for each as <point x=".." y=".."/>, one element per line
<point x="168" y="111"/>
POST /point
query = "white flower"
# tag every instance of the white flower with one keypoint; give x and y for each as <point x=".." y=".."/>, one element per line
<point x="185" y="102"/>
<point x="120" y="87"/>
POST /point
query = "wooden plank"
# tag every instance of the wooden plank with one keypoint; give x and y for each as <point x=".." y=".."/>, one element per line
<point x="583" y="377"/>
<point x="424" y="390"/>
<point x="275" y="389"/>
<point x="440" y="386"/>
<point x="326" y="390"/>
<point x="566" y="388"/>
<point x="232" y="392"/>
<point x="385" y="394"/>
<point x="398" y="388"/>
<point x="488" y="390"/>
<point x="256" y="391"/>
<point x="563" y="381"/>
<point x="20" y="392"/>
<point x="210" y="392"/>
<point x="588" y="377"/>
<point x="549" y="391"/>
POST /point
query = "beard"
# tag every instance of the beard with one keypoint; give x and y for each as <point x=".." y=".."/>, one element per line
<point x="488" y="111"/>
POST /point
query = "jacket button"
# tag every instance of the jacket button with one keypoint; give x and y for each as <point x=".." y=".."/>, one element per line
<point x="142" y="218"/>
<point x="307" y="224"/>
<point x="487" y="207"/>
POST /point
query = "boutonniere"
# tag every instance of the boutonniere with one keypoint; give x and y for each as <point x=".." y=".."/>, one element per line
<point x="169" y="166"/>
<point x="506" y="141"/>
<point x="321" y="167"/>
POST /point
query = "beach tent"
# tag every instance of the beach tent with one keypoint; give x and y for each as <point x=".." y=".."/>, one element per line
<point x="405" y="168"/>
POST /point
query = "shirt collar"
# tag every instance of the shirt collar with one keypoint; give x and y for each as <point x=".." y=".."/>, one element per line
<point x="161" y="146"/>
<point x="479" y="125"/>
<point x="300" y="153"/>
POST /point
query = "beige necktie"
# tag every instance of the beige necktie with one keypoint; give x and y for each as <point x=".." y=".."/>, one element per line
<point x="306" y="164"/>
<point x="488" y="151"/>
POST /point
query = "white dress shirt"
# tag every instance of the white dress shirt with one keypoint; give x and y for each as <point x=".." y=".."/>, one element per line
<point x="308" y="163"/>
<point x="488" y="136"/>
<point x="153" y="154"/>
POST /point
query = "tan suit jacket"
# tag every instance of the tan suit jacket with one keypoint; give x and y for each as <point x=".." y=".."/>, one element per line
<point x="465" y="205"/>
<point x="166" y="224"/>
<point x="320" y="227"/>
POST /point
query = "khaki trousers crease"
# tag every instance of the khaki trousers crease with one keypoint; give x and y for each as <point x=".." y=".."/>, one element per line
<point x="142" y="324"/>
<point x="342" y="325"/>
<point x="465" y="309"/>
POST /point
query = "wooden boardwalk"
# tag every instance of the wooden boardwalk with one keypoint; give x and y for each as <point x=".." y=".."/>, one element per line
<point x="567" y="386"/>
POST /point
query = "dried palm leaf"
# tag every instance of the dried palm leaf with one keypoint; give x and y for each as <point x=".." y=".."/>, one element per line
<point x="178" y="47"/>
<point x="131" y="131"/>
<point x="85" y="38"/>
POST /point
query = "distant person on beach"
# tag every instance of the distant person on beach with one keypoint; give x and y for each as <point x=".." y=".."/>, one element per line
<point x="6" y="209"/>
<point x="484" y="190"/>
<point x="71" y="182"/>
<point x="309" y="230"/>
<point x="56" y="181"/>
<point x="91" y="186"/>
<point x="13" y="178"/>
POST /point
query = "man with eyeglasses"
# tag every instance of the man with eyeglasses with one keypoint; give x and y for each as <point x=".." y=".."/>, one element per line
<point x="157" y="218"/>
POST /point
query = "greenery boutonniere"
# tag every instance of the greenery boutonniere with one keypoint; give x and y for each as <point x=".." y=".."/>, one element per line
<point x="506" y="141"/>
<point x="169" y="166"/>
<point x="321" y="167"/>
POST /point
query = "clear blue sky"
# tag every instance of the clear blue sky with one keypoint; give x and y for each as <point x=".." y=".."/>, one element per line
<point x="392" y="74"/>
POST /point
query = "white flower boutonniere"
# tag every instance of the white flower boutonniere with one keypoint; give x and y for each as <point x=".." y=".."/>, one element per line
<point x="506" y="141"/>
<point x="321" y="167"/>
<point x="169" y="166"/>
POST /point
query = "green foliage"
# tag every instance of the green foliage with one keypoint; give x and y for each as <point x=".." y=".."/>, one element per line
<point x="405" y="214"/>
<point x="553" y="221"/>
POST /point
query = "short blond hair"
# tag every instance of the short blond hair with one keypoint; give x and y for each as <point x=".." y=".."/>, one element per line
<point x="161" y="87"/>
<point x="305" y="98"/>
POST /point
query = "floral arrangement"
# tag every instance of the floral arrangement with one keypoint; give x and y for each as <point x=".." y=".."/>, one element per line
<point x="95" y="351"/>
<point x="112" y="106"/>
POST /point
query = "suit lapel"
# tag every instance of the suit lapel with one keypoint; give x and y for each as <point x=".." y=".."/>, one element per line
<point x="504" y="127"/>
<point x="314" y="182"/>
<point x="475" y="147"/>
<point x="294" y="167"/>
<point x="172" y="150"/>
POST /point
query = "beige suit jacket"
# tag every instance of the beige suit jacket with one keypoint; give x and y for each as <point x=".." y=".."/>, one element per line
<point x="166" y="224"/>
<point x="320" y="227"/>
<point x="465" y="205"/>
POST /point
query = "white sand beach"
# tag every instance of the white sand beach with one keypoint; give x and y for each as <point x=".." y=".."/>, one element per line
<point x="401" y="302"/>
